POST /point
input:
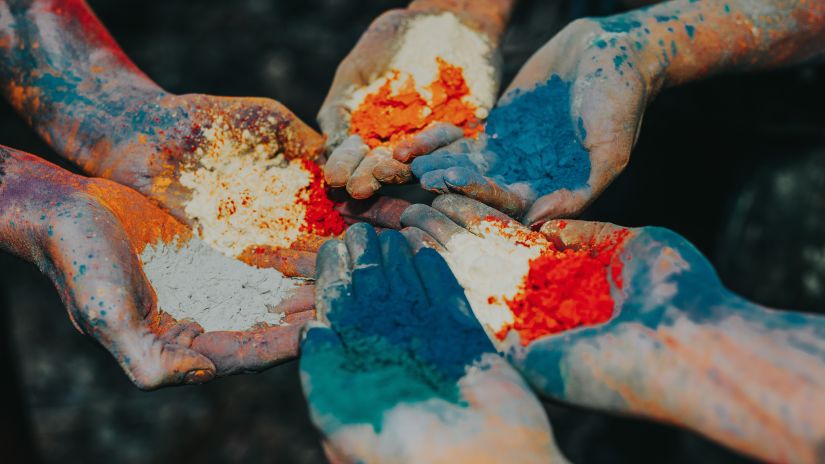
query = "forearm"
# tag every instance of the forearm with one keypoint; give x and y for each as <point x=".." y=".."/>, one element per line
<point x="685" y="40"/>
<point x="65" y="74"/>
<point x="745" y="376"/>
<point x="490" y="16"/>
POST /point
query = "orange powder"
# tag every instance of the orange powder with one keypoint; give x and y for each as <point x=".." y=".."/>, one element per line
<point x="385" y="118"/>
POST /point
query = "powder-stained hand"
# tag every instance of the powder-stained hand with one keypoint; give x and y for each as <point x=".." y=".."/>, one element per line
<point x="418" y="79"/>
<point x="635" y="321"/>
<point x="421" y="381"/>
<point x="135" y="279"/>
<point x="563" y="130"/>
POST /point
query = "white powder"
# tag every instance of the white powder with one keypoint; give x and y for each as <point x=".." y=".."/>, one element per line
<point x="440" y="36"/>
<point x="491" y="269"/>
<point x="242" y="196"/>
<point x="220" y="293"/>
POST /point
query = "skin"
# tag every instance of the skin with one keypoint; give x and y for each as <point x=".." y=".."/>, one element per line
<point x="68" y="78"/>
<point x="86" y="235"/>
<point x="680" y="348"/>
<point x="351" y="163"/>
<point x="614" y="68"/>
<point x="467" y="405"/>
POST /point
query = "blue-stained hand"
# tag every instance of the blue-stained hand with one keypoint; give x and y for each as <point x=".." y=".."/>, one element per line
<point x="561" y="133"/>
<point x="401" y="371"/>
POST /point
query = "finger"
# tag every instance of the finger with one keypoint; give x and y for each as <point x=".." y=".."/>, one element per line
<point x="472" y="184"/>
<point x="379" y="210"/>
<point x="399" y="269"/>
<point x="441" y="285"/>
<point x="566" y="233"/>
<point x="181" y="333"/>
<point x="368" y="279"/>
<point x="431" y="221"/>
<point x="462" y="146"/>
<point x="468" y="213"/>
<point x="297" y="300"/>
<point x="418" y="239"/>
<point x="392" y="172"/>
<point x="559" y="204"/>
<point x="333" y="287"/>
<point x="433" y="181"/>
<point x="439" y="161"/>
<point x="344" y="160"/>
<point x="435" y="136"/>
<point x="318" y="339"/>
<point x="249" y="351"/>
<point x="291" y="263"/>
<point x="152" y="363"/>
<point x="362" y="184"/>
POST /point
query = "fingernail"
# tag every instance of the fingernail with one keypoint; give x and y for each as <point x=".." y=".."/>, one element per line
<point x="197" y="376"/>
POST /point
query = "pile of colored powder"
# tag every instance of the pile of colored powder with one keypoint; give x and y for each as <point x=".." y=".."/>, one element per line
<point x="565" y="289"/>
<point x="535" y="128"/>
<point x="320" y="217"/>
<point x="398" y="110"/>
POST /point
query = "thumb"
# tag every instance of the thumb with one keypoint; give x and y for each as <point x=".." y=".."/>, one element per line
<point x="152" y="363"/>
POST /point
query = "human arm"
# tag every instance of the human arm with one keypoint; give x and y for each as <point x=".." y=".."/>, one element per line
<point x="567" y="124"/>
<point x="94" y="240"/>
<point x="390" y="325"/>
<point x="241" y="171"/>
<point x="635" y="321"/>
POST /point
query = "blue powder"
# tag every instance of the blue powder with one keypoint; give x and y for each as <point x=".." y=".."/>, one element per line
<point x="398" y="348"/>
<point x="535" y="141"/>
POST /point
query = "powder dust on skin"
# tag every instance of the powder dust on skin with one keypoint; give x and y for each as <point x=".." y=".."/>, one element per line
<point x="244" y="196"/>
<point x="193" y="280"/>
<point x="421" y="69"/>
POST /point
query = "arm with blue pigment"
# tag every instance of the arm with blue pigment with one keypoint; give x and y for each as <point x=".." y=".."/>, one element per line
<point x="567" y="124"/>
<point x="90" y="236"/>
<point x="422" y="382"/>
<point x="462" y="33"/>
<point x="675" y="346"/>
<point x="192" y="154"/>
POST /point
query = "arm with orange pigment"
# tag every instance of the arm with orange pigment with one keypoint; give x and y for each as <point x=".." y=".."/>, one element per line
<point x="636" y="321"/>
<point x="93" y="237"/>
<point x="418" y="79"/>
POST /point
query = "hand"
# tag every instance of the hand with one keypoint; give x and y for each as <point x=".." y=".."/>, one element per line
<point x="562" y="132"/>
<point x="134" y="279"/>
<point x="635" y="321"/>
<point x="418" y="79"/>
<point x="395" y="320"/>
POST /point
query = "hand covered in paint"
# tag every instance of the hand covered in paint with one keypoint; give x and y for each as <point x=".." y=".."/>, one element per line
<point x="419" y="78"/>
<point x="636" y="321"/>
<point x="557" y="138"/>
<point x="422" y="383"/>
<point x="106" y="248"/>
<point x="567" y="124"/>
<point x="240" y="171"/>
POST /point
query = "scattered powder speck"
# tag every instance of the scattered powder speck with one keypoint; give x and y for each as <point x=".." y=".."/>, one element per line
<point x="193" y="280"/>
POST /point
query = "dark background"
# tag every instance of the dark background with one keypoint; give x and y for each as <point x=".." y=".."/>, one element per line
<point x="736" y="164"/>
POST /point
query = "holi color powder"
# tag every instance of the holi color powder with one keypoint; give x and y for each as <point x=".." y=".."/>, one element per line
<point x="565" y="289"/>
<point x="398" y="110"/>
<point x="320" y="217"/>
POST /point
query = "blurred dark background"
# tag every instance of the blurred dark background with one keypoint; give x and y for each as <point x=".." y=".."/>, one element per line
<point x="736" y="164"/>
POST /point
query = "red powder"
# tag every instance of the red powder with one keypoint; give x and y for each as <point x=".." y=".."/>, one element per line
<point x="384" y="118"/>
<point x="321" y="217"/>
<point x="566" y="289"/>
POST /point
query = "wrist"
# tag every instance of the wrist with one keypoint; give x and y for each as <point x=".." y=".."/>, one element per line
<point x="487" y="16"/>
